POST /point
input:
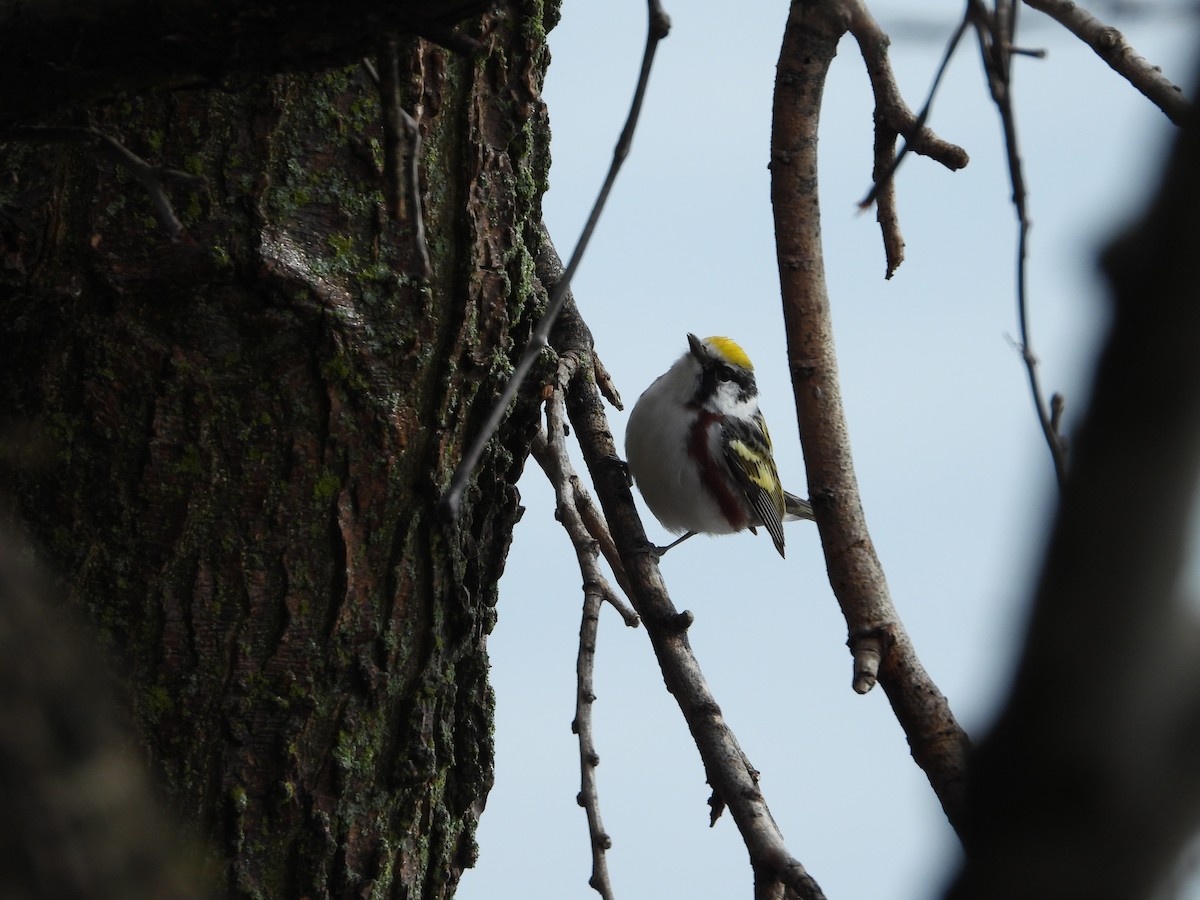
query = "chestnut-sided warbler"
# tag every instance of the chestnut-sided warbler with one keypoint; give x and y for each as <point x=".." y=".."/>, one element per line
<point x="699" y="450"/>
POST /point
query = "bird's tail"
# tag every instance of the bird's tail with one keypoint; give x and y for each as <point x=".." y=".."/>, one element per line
<point x="795" y="508"/>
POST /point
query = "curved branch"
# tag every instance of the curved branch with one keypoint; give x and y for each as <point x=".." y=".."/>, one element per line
<point x="1110" y="45"/>
<point x="880" y="646"/>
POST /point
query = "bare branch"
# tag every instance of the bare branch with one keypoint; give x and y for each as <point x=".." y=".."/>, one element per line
<point x="550" y="451"/>
<point x="1110" y="45"/>
<point x="575" y="509"/>
<point x="877" y="639"/>
<point x="657" y="29"/>
<point x="551" y="454"/>
<point x="996" y="38"/>
<point x="889" y="104"/>
<point x="589" y="759"/>
<point x="892" y="119"/>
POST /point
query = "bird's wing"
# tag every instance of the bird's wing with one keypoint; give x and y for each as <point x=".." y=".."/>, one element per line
<point x="747" y="445"/>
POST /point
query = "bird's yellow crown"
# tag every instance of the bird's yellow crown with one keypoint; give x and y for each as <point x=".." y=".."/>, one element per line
<point x="730" y="351"/>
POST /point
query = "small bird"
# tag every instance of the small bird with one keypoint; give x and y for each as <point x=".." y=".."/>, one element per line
<point x="699" y="450"/>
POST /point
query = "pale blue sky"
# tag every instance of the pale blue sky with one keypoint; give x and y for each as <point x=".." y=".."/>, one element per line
<point x="955" y="479"/>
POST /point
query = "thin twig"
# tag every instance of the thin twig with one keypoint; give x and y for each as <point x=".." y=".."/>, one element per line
<point x="589" y="759"/>
<point x="659" y="25"/>
<point x="150" y="176"/>
<point x="1068" y="777"/>
<point x="401" y="140"/>
<point x="595" y="591"/>
<point x="880" y="646"/>
<point x="995" y="40"/>
<point x="1110" y="45"/>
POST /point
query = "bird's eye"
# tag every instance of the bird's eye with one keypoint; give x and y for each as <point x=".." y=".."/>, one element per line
<point x="724" y="373"/>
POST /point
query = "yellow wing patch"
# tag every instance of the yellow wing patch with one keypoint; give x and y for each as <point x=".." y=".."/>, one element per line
<point x="760" y="470"/>
<point x="730" y="351"/>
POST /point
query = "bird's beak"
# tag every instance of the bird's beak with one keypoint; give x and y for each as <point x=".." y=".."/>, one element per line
<point x="697" y="347"/>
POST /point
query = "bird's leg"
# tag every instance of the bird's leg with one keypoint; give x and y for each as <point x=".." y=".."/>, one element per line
<point x="656" y="551"/>
<point x="674" y="543"/>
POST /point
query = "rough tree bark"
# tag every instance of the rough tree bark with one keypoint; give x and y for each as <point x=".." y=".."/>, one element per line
<point x="228" y="449"/>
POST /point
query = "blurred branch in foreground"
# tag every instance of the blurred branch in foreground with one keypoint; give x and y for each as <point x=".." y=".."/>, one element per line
<point x="1088" y="786"/>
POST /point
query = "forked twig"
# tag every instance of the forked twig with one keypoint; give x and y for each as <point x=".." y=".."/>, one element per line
<point x="996" y="34"/>
<point x="884" y="178"/>
<point x="150" y="176"/>
<point x="575" y="509"/>
<point x="893" y="118"/>
<point x="659" y="25"/>
<point x="401" y="140"/>
<point x="881" y="648"/>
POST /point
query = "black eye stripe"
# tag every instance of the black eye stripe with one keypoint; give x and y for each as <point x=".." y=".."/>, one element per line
<point x="711" y="376"/>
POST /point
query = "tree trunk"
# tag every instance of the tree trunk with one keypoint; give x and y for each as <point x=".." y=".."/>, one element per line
<point x="229" y="448"/>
